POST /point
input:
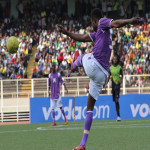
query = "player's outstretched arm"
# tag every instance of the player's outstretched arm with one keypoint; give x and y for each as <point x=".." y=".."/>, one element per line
<point x="77" y="37"/>
<point x="122" y="22"/>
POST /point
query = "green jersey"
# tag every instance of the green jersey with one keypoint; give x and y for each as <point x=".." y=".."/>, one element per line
<point x="115" y="72"/>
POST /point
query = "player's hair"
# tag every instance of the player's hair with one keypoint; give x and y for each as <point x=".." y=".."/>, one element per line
<point x="118" y="59"/>
<point x="53" y="67"/>
<point x="96" y="13"/>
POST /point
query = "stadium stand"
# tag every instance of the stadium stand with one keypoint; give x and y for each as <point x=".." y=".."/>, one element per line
<point x="35" y="27"/>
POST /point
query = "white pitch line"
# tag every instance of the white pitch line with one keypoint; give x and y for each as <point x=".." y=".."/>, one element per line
<point x="123" y="121"/>
<point x="117" y="125"/>
<point x="17" y="131"/>
<point x="109" y="122"/>
<point x="99" y="123"/>
<point x="95" y="127"/>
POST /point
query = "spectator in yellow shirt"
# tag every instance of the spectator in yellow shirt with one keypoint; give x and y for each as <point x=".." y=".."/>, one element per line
<point x="70" y="60"/>
<point x="141" y="36"/>
<point x="47" y="43"/>
<point x="144" y="39"/>
<point x="137" y="38"/>
<point x="138" y="45"/>
<point x="128" y="33"/>
<point x="3" y="71"/>
<point x="25" y="50"/>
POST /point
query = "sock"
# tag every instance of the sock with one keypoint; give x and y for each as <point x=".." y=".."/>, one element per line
<point x="53" y="115"/>
<point x="77" y="62"/>
<point x="87" y="126"/>
<point x="118" y="109"/>
<point x="62" y="110"/>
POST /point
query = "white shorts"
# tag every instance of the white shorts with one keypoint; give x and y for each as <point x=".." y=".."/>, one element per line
<point x="56" y="103"/>
<point x="96" y="73"/>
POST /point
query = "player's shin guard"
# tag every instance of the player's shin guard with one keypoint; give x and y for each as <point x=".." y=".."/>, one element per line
<point x="53" y="115"/>
<point x="118" y="109"/>
<point x="78" y="62"/>
<point x="62" y="110"/>
<point x="87" y="126"/>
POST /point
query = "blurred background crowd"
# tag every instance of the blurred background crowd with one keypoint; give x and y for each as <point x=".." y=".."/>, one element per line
<point x="36" y="26"/>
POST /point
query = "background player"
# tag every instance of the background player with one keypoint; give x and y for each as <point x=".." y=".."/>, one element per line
<point x="117" y="75"/>
<point x="54" y="80"/>
<point x="96" y="64"/>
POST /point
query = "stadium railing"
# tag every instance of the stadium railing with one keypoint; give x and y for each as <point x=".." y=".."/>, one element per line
<point x="15" y="94"/>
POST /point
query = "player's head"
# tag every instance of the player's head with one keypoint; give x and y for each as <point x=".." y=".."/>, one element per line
<point x="96" y="15"/>
<point x="53" y="67"/>
<point x="115" y="60"/>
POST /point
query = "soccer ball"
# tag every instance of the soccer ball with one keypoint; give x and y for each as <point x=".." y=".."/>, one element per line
<point x="12" y="44"/>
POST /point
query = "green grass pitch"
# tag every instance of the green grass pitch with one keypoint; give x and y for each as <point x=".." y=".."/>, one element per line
<point x="104" y="135"/>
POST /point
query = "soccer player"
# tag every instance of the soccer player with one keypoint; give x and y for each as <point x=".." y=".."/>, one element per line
<point x="96" y="64"/>
<point x="117" y="75"/>
<point x="54" y="80"/>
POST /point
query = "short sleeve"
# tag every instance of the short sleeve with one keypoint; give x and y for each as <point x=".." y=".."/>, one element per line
<point x="105" y="23"/>
<point x="49" y="80"/>
<point x="92" y="36"/>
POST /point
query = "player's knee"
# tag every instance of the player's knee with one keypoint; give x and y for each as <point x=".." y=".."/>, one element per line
<point x="117" y="100"/>
<point x="91" y="103"/>
<point x="90" y="108"/>
<point x="114" y="99"/>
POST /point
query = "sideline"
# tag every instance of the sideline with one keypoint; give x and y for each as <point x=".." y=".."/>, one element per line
<point x="13" y="123"/>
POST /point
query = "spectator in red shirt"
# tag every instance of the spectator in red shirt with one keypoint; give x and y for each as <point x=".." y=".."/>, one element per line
<point x="87" y="89"/>
<point x="60" y="58"/>
<point x="34" y="74"/>
<point x="76" y="54"/>
<point x="73" y="42"/>
<point x="18" y="76"/>
<point x="13" y="60"/>
<point x="139" y="69"/>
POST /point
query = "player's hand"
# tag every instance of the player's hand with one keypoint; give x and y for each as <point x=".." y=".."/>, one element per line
<point x="49" y="94"/>
<point x="120" y="82"/>
<point x="137" y="20"/>
<point x="61" y="28"/>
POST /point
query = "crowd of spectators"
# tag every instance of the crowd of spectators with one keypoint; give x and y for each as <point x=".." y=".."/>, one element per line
<point x="132" y="45"/>
<point x="55" y="47"/>
<point x="14" y="66"/>
<point x="36" y="24"/>
<point x="114" y="8"/>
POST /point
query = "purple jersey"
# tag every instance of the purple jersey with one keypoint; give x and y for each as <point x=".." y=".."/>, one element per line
<point x="103" y="43"/>
<point x="54" y="80"/>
